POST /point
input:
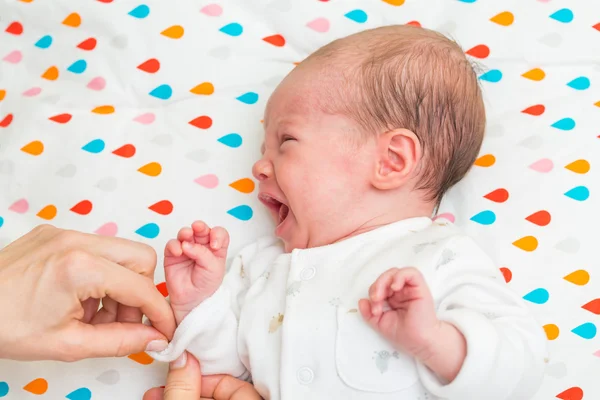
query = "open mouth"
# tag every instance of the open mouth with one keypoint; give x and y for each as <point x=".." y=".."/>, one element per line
<point x="277" y="207"/>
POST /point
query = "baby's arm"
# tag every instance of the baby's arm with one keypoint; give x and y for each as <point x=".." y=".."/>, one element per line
<point x="506" y="346"/>
<point x="410" y="322"/>
<point x="206" y="310"/>
<point x="477" y="312"/>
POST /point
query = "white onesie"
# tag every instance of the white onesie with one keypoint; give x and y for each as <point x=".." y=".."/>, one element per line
<point x="290" y="322"/>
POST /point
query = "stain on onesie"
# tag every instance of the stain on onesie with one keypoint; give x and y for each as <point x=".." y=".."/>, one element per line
<point x="275" y="323"/>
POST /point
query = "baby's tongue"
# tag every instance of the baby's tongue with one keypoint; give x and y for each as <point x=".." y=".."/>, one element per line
<point x="283" y="212"/>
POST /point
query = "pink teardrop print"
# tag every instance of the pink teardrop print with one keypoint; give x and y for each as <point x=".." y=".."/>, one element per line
<point x="319" y="25"/>
<point x="208" y="181"/>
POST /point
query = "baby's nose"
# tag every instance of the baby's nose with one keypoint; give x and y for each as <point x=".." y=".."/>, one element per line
<point x="262" y="170"/>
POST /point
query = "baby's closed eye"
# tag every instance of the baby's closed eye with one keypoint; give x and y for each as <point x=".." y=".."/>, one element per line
<point x="286" y="138"/>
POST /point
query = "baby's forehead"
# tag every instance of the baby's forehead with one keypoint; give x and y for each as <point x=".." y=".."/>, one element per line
<point x="289" y="107"/>
<point x="304" y="92"/>
<point x="293" y="98"/>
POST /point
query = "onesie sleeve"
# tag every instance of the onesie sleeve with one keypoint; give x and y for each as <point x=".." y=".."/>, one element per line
<point x="210" y="331"/>
<point x="506" y="346"/>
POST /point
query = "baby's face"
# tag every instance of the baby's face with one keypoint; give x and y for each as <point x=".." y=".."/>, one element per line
<point x="312" y="170"/>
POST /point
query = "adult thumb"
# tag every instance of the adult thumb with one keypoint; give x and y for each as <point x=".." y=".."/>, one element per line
<point x="184" y="381"/>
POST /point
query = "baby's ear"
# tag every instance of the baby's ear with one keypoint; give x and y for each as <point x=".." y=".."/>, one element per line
<point x="399" y="152"/>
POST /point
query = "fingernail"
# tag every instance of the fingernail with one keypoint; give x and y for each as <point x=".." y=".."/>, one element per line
<point x="215" y="244"/>
<point x="180" y="362"/>
<point x="186" y="245"/>
<point x="157" y="345"/>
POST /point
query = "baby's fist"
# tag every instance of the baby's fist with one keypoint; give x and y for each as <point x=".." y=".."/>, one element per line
<point x="400" y="307"/>
<point x="195" y="266"/>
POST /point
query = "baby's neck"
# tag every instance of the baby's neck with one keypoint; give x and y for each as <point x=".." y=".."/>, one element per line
<point x="386" y="218"/>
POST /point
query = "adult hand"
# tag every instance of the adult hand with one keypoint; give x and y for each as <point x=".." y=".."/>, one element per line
<point x="185" y="382"/>
<point x="51" y="284"/>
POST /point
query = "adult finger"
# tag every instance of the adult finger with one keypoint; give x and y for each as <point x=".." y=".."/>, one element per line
<point x="154" y="394"/>
<point x="112" y="311"/>
<point x="183" y="383"/>
<point x="90" y="308"/>
<point x="135" y="256"/>
<point x="138" y="292"/>
<point x="226" y="387"/>
<point x="115" y="339"/>
<point x="36" y="239"/>
<point x="102" y="278"/>
<point x="48" y="240"/>
<point x="108" y="312"/>
<point x="129" y="314"/>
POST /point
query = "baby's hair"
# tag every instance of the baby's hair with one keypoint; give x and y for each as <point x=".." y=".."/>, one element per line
<point x="413" y="78"/>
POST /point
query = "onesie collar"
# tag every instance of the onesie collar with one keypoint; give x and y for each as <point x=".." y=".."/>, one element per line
<point x="386" y="232"/>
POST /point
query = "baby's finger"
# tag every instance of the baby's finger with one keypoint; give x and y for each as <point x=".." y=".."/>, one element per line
<point x="401" y="299"/>
<point x="185" y="235"/>
<point x="364" y="306"/>
<point x="381" y="288"/>
<point x="377" y="307"/>
<point x="407" y="276"/>
<point x="173" y="248"/>
<point x="199" y="253"/>
<point x="201" y="232"/>
<point x="219" y="238"/>
<point x="399" y="280"/>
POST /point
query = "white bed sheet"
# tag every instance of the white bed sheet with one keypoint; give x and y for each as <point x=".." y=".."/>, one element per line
<point x="97" y="100"/>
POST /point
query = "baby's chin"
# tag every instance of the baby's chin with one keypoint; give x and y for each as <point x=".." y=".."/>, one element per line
<point x="287" y="247"/>
<point x="290" y="244"/>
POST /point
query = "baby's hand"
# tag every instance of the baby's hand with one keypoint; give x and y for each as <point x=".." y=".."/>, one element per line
<point x="401" y="309"/>
<point x="194" y="266"/>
